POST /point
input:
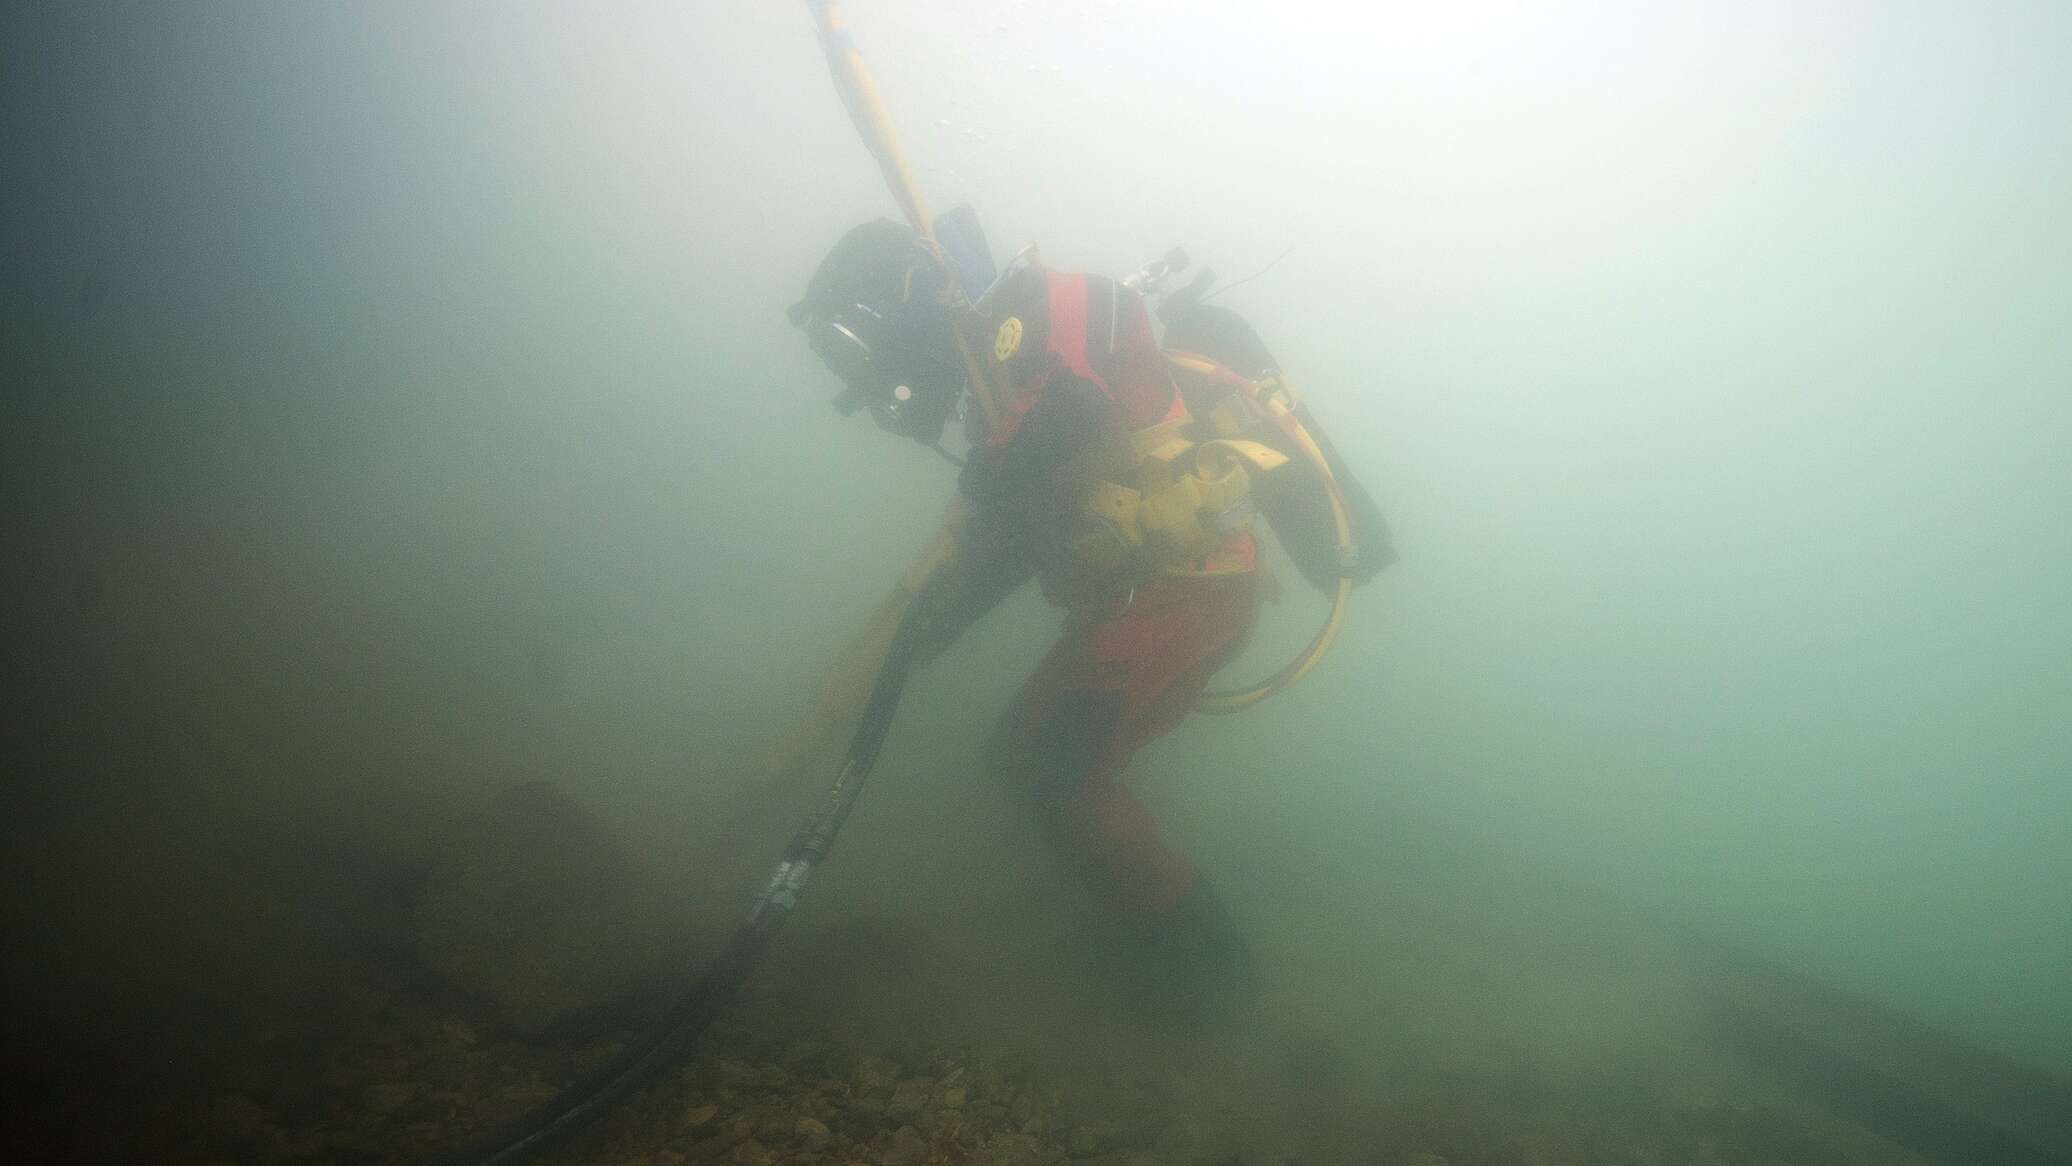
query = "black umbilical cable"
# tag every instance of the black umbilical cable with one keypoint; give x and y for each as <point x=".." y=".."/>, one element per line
<point x="672" y="1036"/>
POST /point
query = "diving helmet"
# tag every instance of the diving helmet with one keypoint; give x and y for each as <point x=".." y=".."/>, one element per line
<point x="877" y="315"/>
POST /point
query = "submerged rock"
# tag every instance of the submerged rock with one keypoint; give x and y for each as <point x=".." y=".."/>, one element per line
<point x="533" y="910"/>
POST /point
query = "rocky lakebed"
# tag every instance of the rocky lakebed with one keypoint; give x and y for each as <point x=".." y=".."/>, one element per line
<point x="494" y="991"/>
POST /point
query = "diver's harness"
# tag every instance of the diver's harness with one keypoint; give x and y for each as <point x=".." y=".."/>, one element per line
<point x="1186" y="486"/>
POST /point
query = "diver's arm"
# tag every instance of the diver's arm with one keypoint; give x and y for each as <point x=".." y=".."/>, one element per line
<point x="979" y="555"/>
<point x="966" y="570"/>
<point x="1065" y="420"/>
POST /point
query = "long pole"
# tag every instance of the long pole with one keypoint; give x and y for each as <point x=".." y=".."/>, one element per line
<point x="860" y="97"/>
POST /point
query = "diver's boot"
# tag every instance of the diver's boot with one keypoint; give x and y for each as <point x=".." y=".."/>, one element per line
<point x="1196" y="967"/>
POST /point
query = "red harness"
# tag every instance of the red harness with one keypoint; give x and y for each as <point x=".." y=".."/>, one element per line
<point x="1120" y="357"/>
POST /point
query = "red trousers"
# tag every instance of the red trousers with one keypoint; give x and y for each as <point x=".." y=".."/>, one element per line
<point x="1124" y="673"/>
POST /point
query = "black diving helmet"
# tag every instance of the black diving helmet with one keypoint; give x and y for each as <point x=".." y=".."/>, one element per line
<point x="876" y="314"/>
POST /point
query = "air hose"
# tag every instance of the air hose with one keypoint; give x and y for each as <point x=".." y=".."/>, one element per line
<point x="1274" y="405"/>
<point x="672" y="1036"/>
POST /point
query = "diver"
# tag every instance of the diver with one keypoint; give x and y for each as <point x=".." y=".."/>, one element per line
<point x="1088" y="474"/>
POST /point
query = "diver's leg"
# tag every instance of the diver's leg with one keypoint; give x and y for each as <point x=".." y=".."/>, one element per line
<point x="1115" y="683"/>
<point x="1082" y="748"/>
<point x="1057" y="745"/>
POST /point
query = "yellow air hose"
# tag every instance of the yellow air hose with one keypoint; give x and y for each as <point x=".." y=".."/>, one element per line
<point x="1275" y="406"/>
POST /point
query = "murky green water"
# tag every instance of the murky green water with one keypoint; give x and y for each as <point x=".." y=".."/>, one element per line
<point x="399" y="405"/>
